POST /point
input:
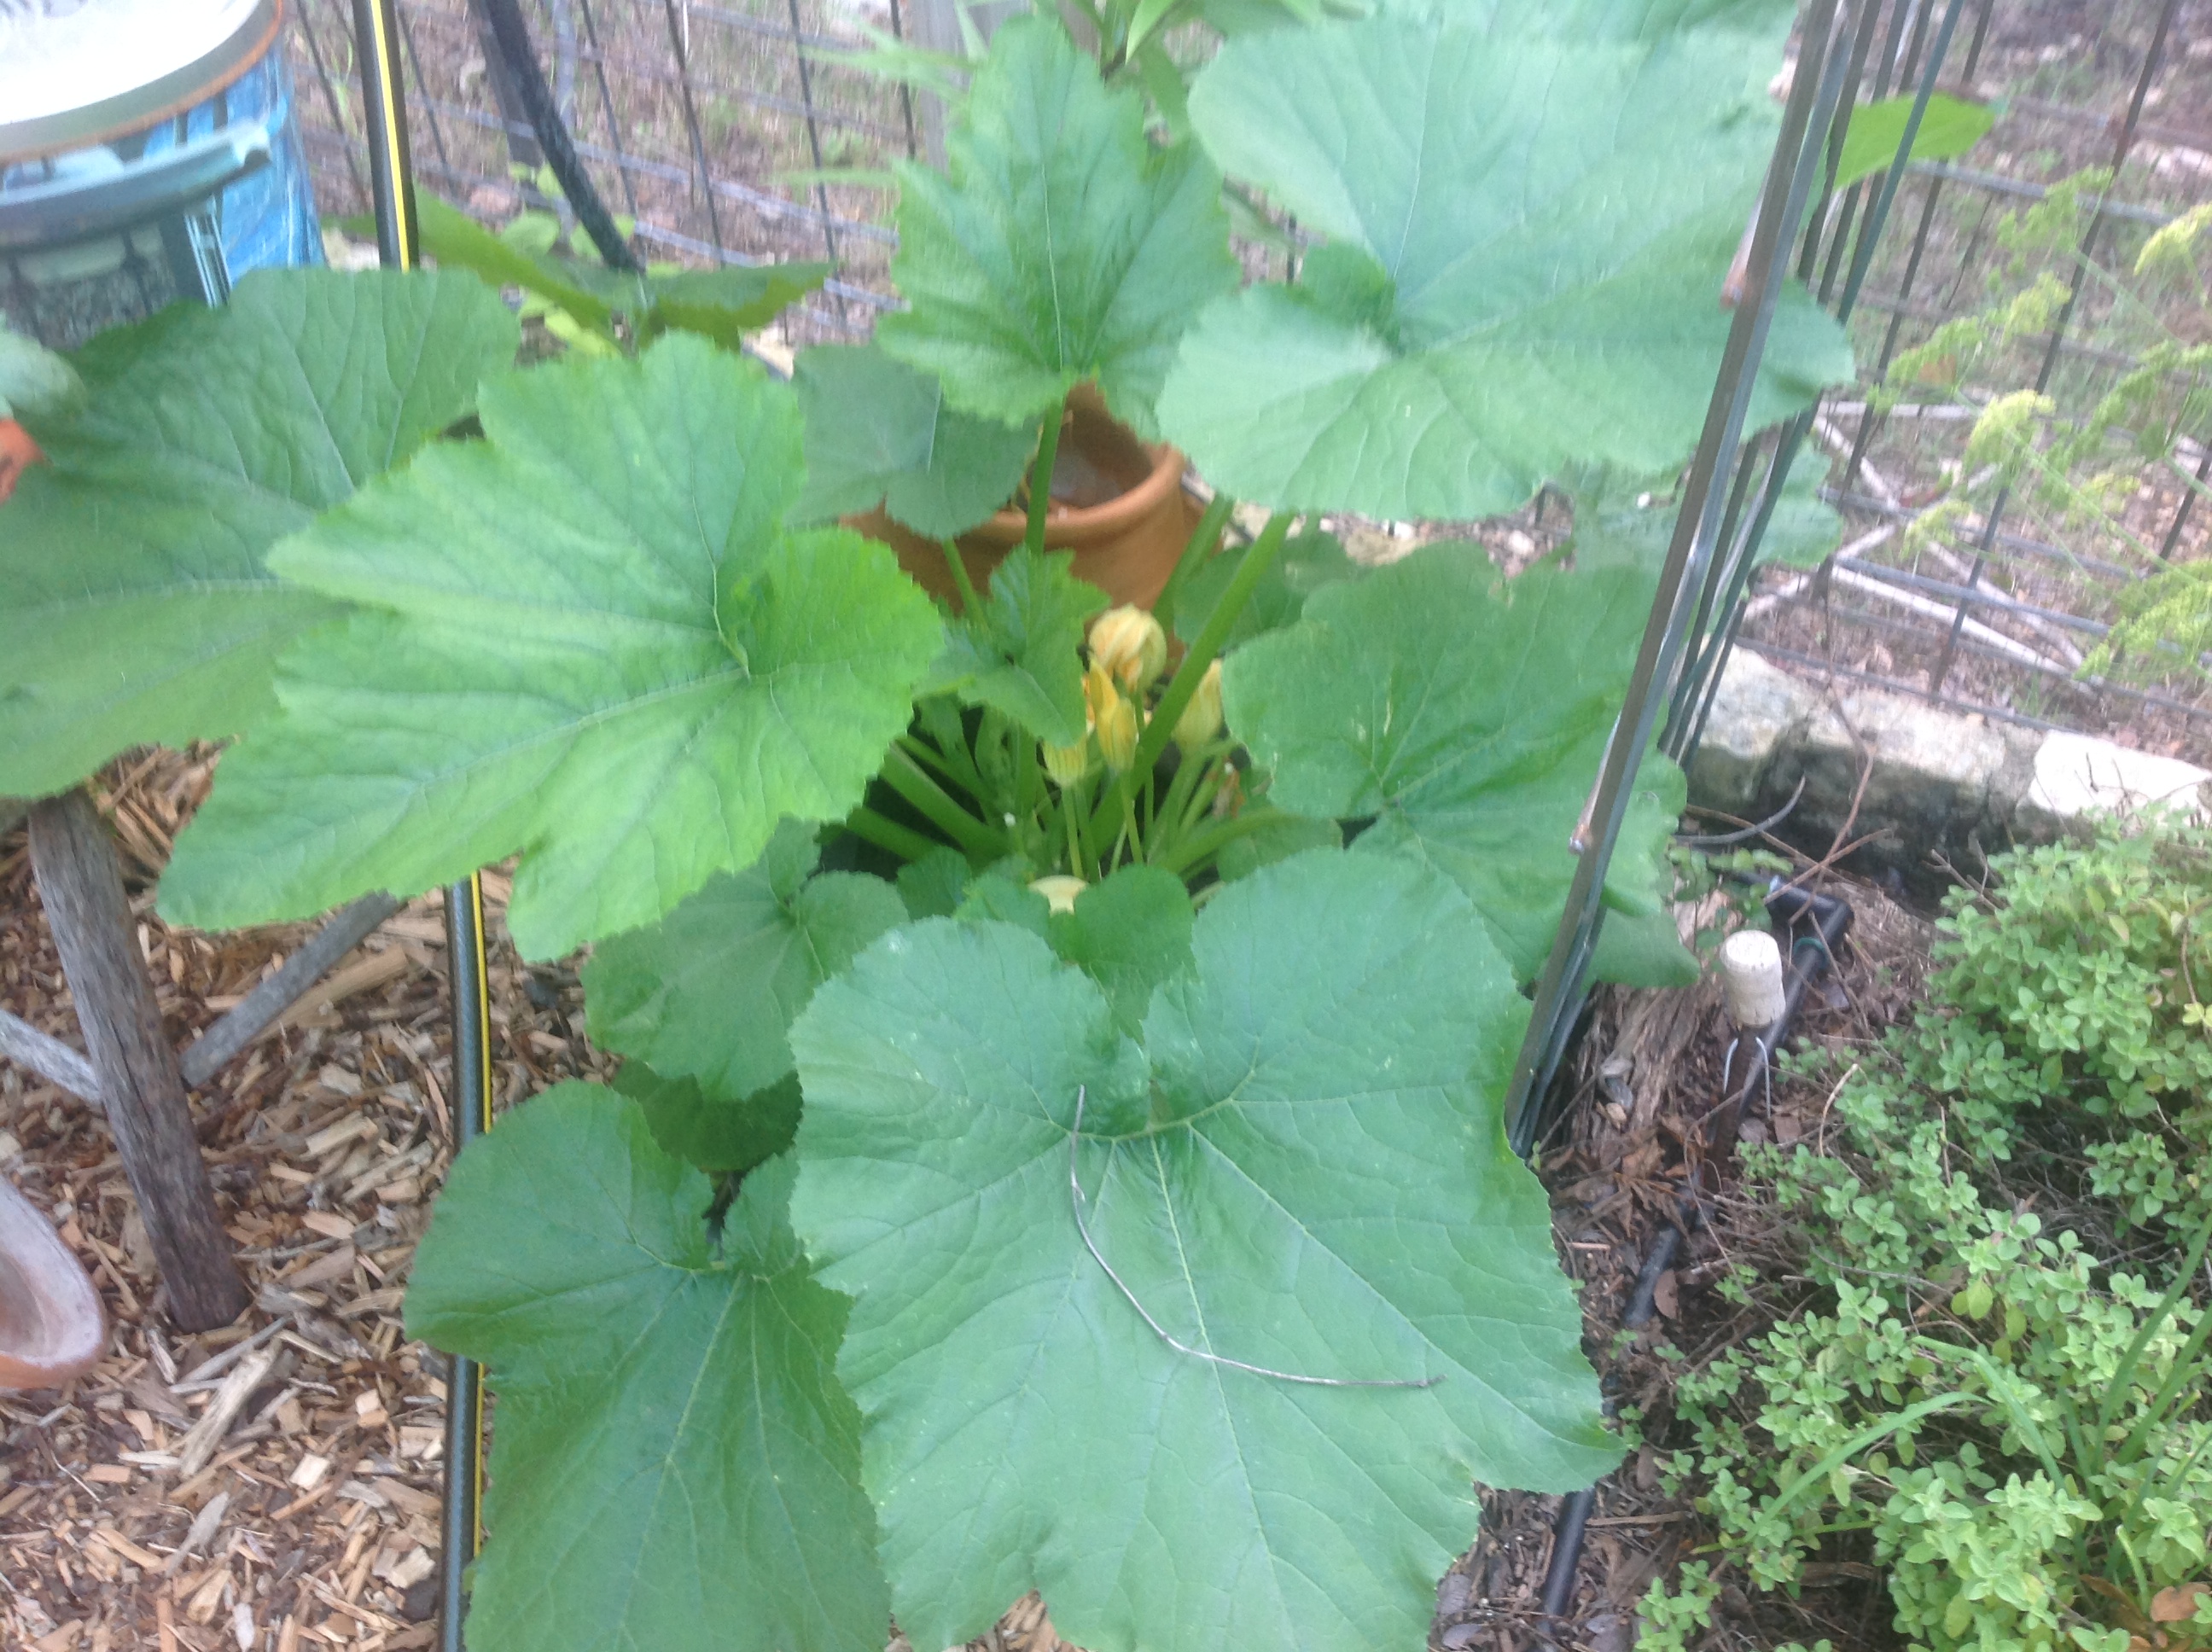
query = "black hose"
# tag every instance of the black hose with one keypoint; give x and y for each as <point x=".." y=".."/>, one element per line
<point x="1811" y="955"/>
<point x="472" y="1090"/>
<point x="392" y="183"/>
<point x="512" y="36"/>
<point x="1574" y="1514"/>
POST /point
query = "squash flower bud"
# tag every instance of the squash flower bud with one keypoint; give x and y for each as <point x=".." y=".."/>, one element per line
<point x="1059" y="891"/>
<point x="1068" y="764"/>
<point x="1201" y="718"/>
<point x="1114" y="717"/>
<point x="1127" y="643"/>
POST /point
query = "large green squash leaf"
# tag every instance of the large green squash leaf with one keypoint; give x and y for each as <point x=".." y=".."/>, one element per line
<point x="1467" y="714"/>
<point x="878" y="433"/>
<point x="592" y="641"/>
<point x="709" y="992"/>
<point x="136" y="605"/>
<point x="1309" y="560"/>
<point x="1021" y="650"/>
<point x="1062" y="247"/>
<point x="1528" y="234"/>
<point x="1300" y="1167"/>
<point x="713" y="1131"/>
<point x="1767" y="20"/>
<point x="1619" y="524"/>
<point x="1129" y="933"/>
<point x="675" y="1466"/>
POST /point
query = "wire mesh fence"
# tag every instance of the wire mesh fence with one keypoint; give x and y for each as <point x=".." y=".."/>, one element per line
<point x="740" y="133"/>
<point x="1970" y="573"/>
<point x="711" y="126"/>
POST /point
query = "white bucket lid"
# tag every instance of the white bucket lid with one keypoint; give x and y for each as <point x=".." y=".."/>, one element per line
<point x="79" y="72"/>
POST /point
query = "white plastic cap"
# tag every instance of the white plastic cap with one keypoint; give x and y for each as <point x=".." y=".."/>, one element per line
<point x="1751" y="979"/>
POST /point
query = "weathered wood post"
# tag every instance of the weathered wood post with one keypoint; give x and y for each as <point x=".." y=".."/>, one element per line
<point x="81" y="886"/>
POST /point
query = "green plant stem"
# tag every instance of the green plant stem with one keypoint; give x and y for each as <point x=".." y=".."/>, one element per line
<point x="1071" y="808"/>
<point x="993" y="748"/>
<point x="942" y="730"/>
<point x="911" y="781"/>
<point x="1193" y="849"/>
<point x="927" y="753"/>
<point x="1129" y="833"/>
<point x="1028" y="766"/>
<point x="869" y="827"/>
<point x="965" y="770"/>
<point x="1257" y="560"/>
<point x="1188" y="782"/>
<point x="1818" y="1473"/>
<point x="1048" y="454"/>
<point x="961" y="582"/>
<point x="1195" y="555"/>
<point x="1208" y="790"/>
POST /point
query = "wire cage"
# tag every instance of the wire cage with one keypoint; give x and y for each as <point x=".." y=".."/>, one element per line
<point x="743" y="132"/>
<point x="1957" y="582"/>
<point x="716" y="128"/>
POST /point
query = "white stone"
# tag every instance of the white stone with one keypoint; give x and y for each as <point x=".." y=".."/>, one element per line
<point x="2077" y="775"/>
<point x="1758" y="709"/>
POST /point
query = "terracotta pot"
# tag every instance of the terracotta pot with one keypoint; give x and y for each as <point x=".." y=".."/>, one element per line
<point x="1125" y="516"/>
<point x="52" y="1327"/>
<point x="17" y="453"/>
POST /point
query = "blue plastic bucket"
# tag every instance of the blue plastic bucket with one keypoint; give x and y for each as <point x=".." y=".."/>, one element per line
<point x="179" y="170"/>
<point x="267" y="218"/>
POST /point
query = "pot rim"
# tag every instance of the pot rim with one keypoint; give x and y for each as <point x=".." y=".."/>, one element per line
<point x="69" y="1329"/>
<point x="1085" y="524"/>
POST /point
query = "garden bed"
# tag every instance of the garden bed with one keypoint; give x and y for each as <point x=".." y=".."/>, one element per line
<point x="326" y="1144"/>
<point x="98" y="1553"/>
<point x="1645" y="1075"/>
<point x="326" y="1214"/>
<point x="371" y="1045"/>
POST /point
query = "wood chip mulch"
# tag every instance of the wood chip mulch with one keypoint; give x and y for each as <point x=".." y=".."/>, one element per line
<point x="314" y="1520"/>
<point x="311" y="1516"/>
<point x="307" y="1513"/>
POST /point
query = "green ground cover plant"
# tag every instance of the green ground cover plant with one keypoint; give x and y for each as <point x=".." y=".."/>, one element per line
<point x="1060" y="1146"/>
<point x="2011" y="1407"/>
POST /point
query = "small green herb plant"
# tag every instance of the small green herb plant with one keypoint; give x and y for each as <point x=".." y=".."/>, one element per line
<point x="2016" y="1423"/>
<point x="1061" y="1144"/>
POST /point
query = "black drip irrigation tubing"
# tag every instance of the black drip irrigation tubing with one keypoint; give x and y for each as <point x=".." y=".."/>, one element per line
<point x="464" y="1490"/>
<point x="1816" y="925"/>
<point x="512" y="36"/>
<point x="393" y="184"/>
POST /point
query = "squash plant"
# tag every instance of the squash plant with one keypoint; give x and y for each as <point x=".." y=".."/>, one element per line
<point x="1061" y="1144"/>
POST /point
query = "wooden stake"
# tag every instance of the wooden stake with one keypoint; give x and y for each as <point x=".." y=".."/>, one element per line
<point x="81" y="887"/>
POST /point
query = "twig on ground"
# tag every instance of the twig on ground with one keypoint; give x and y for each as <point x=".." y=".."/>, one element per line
<point x="48" y="1056"/>
<point x="200" y="1443"/>
<point x="1821" y="1130"/>
<point x="293" y="981"/>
